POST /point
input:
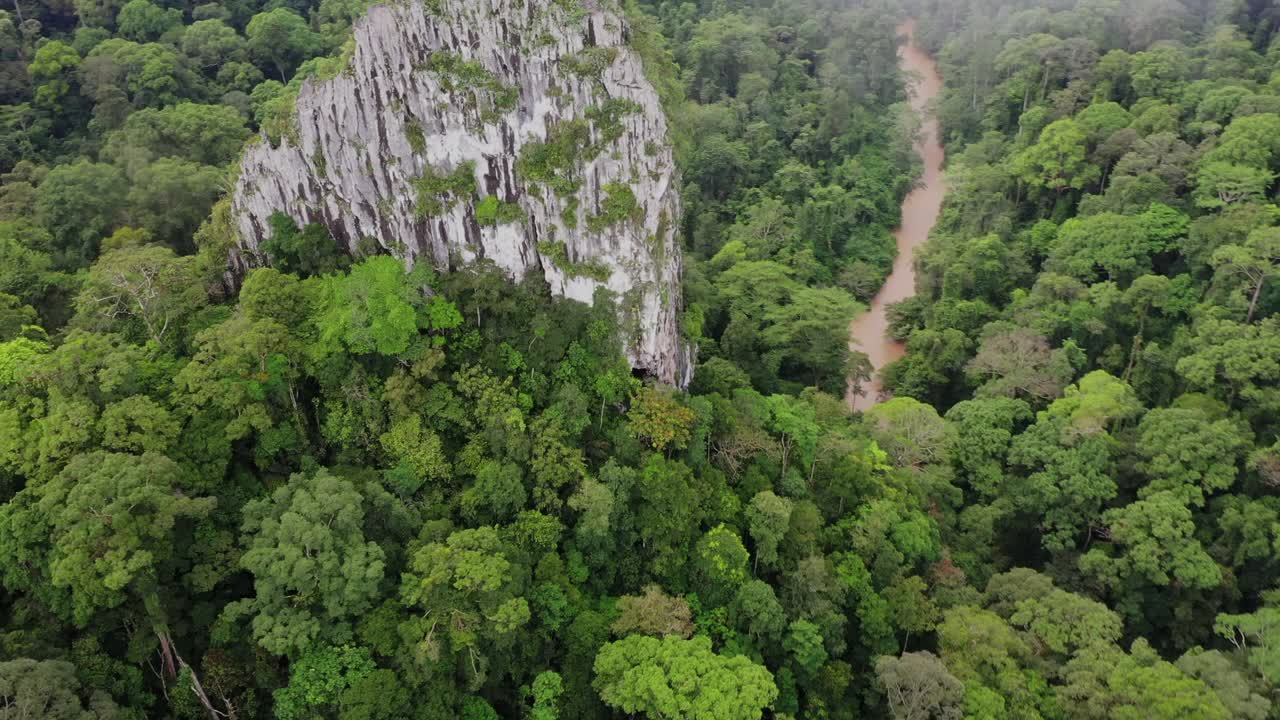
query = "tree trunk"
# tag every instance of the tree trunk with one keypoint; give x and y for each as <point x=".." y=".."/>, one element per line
<point x="171" y="662"/>
<point x="1137" y="345"/>
<point x="1253" y="301"/>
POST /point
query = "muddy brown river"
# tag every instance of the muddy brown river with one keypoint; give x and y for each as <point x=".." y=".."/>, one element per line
<point x="869" y="331"/>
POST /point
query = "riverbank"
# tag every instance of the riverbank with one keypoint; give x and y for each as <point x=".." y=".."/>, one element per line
<point x="868" y="332"/>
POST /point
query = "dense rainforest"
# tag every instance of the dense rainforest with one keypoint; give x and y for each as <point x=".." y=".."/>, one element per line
<point x="335" y="488"/>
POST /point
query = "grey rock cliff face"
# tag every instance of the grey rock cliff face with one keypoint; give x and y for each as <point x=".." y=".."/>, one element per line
<point x="543" y="105"/>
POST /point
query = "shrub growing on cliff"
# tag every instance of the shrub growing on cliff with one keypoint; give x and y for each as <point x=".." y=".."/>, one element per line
<point x="619" y="204"/>
<point x="590" y="62"/>
<point x="437" y="194"/>
<point x="607" y="118"/>
<point x="558" y="254"/>
<point x="460" y="75"/>
<point x="492" y="211"/>
<point x="414" y="134"/>
<point x="554" y="162"/>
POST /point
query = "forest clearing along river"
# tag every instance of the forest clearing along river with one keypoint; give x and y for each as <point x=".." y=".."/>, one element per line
<point x="868" y="332"/>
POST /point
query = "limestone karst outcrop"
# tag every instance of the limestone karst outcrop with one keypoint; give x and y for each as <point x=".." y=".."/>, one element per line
<point x="522" y="131"/>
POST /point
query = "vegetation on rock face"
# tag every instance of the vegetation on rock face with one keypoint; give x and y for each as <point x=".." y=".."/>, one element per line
<point x="569" y="216"/>
<point x="590" y="62"/>
<point x="606" y="118"/>
<point x="558" y="254"/>
<point x="417" y="138"/>
<point x="554" y="162"/>
<point x="459" y="75"/>
<point x="618" y="205"/>
<point x="438" y="193"/>
<point x="351" y="490"/>
<point x="492" y="211"/>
